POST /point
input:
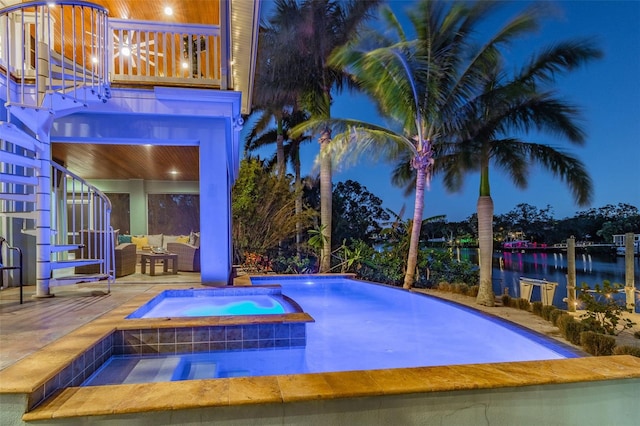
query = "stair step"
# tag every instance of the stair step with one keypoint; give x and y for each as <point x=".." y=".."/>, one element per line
<point x="19" y="160"/>
<point x="66" y="247"/>
<point x="10" y="196"/>
<point x="77" y="278"/>
<point x="21" y="215"/>
<point x="13" y="134"/>
<point x="73" y="263"/>
<point x="18" y="179"/>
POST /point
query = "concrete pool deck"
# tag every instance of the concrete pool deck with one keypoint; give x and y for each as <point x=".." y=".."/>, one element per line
<point x="43" y="335"/>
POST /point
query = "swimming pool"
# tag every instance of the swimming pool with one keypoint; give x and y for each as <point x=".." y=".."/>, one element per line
<point x="216" y="302"/>
<point x="358" y="326"/>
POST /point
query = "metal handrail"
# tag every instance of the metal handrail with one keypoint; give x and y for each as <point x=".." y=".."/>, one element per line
<point x="41" y="56"/>
<point x="96" y="218"/>
<point x="9" y="268"/>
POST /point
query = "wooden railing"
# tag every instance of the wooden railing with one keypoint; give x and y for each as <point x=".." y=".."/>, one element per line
<point x="154" y="52"/>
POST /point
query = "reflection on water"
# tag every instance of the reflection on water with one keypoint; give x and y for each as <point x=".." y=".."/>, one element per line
<point x="590" y="269"/>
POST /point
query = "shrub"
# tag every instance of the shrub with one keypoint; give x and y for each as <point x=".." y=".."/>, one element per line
<point x="547" y="310"/>
<point x="473" y="291"/>
<point x="626" y="350"/>
<point x="555" y="315"/>
<point x="597" y="344"/>
<point x="460" y="288"/>
<point x="536" y="308"/>
<point x="444" y="286"/>
<point x="636" y="334"/>
<point x="603" y="309"/>
<point x="523" y="304"/>
<point x="506" y="300"/>
<point x="570" y="328"/>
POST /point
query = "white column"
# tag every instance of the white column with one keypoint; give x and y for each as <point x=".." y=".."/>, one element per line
<point x="43" y="221"/>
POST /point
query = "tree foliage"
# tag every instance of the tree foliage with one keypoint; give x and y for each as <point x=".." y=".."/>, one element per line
<point x="263" y="210"/>
<point x="357" y="213"/>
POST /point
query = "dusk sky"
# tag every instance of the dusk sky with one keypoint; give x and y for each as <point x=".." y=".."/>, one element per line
<point x="607" y="91"/>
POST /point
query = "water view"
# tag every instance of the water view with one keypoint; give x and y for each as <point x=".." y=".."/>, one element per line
<point x="591" y="269"/>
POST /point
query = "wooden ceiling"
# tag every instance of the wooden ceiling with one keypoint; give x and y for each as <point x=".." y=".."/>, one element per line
<point x="139" y="161"/>
<point x="97" y="161"/>
<point x="184" y="11"/>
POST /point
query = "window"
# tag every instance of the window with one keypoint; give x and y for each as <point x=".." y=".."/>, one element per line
<point x="173" y="214"/>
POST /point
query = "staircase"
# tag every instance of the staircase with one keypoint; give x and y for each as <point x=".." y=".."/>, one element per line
<point x="53" y="62"/>
<point x="65" y="218"/>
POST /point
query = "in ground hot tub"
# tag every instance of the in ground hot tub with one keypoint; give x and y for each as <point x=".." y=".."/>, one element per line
<point x="217" y="302"/>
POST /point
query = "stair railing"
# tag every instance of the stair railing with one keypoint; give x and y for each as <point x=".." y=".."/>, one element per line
<point x="48" y="48"/>
<point x="81" y="214"/>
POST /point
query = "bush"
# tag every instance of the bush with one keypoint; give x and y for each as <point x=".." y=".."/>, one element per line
<point x="636" y="334"/>
<point x="597" y="344"/>
<point x="555" y="315"/>
<point x="536" y="308"/>
<point x="547" y="310"/>
<point x="444" y="286"/>
<point x="473" y="291"/>
<point x="626" y="350"/>
<point x="602" y="308"/>
<point x="506" y="300"/>
<point x="523" y="304"/>
<point x="570" y="328"/>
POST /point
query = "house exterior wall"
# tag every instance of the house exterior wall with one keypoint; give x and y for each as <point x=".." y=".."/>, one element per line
<point x="188" y="117"/>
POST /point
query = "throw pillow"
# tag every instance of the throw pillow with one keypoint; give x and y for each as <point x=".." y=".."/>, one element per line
<point x="140" y="242"/>
<point x="194" y="239"/>
<point x="183" y="239"/>
<point x="124" y="239"/>
<point x="155" y="240"/>
<point x="169" y="239"/>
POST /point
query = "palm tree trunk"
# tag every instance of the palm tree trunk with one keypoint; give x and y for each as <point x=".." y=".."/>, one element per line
<point x="412" y="259"/>
<point x="485" y="242"/>
<point x="280" y="150"/>
<point x="325" y="200"/>
<point x="298" y="205"/>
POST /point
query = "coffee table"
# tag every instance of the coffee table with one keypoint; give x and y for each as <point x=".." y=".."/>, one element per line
<point x="152" y="258"/>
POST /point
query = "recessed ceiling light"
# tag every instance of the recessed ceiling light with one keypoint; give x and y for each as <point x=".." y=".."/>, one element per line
<point x="168" y="11"/>
<point x="174" y="172"/>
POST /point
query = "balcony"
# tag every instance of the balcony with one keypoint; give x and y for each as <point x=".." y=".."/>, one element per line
<point x="79" y="49"/>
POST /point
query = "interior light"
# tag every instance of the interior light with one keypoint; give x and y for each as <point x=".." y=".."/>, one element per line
<point x="51" y="4"/>
<point x="174" y="172"/>
<point x="94" y="60"/>
<point x="126" y="51"/>
<point x="168" y="11"/>
<point x="185" y="65"/>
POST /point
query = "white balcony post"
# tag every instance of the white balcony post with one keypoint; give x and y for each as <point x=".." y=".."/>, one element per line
<point x="225" y="58"/>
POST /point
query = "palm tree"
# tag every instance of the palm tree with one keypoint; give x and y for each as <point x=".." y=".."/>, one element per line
<point x="418" y="84"/>
<point x="290" y="151"/>
<point x="323" y="26"/>
<point x="278" y="84"/>
<point x="518" y="104"/>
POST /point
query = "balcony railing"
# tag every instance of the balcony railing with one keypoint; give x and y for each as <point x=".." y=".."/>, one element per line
<point x="72" y="48"/>
<point x="152" y="52"/>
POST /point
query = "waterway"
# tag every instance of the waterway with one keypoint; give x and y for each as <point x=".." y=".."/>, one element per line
<point x="591" y="269"/>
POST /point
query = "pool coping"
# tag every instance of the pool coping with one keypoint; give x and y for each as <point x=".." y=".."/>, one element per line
<point x="27" y="375"/>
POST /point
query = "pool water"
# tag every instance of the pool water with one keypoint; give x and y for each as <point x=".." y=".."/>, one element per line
<point x="216" y="302"/>
<point x="213" y="306"/>
<point x="358" y="326"/>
